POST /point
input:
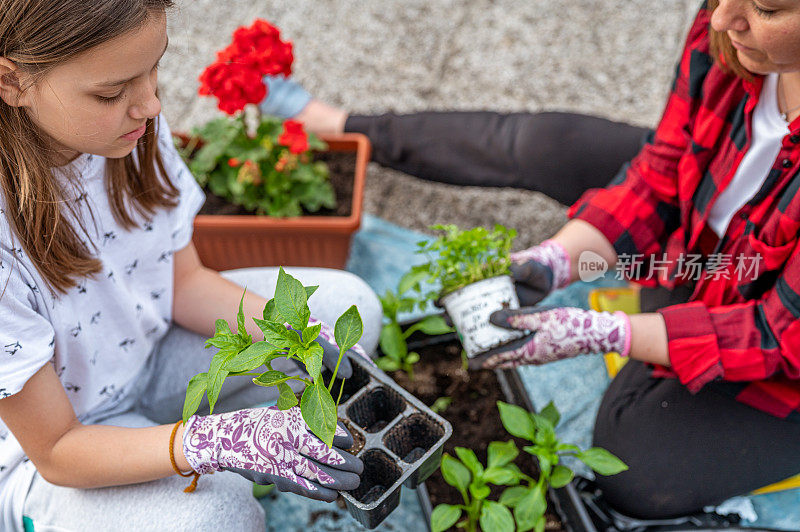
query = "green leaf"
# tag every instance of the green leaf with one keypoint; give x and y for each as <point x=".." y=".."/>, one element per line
<point x="441" y="404"/>
<point x="540" y="524"/>
<point x="387" y="364"/>
<point x="311" y="334"/>
<point x="444" y="516"/>
<point x="277" y="334"/>
<point x="242" y="329"/>
<point x="500" y="476"/>
<point x="479" y="490"/>
<point x="390" y="305"/>
<point x="517" y="421"/>
<point x="496" y="517"/>
<point x="348" y="329"/>
<point x="392" y="342"/>
<point x="310" y="290"/>
<point x="550" y="413"/>
<point x="410" y="279"/>
<point x="434" y="325"/>
<point x="222" y="327"/>
<point x="501" y="453"/>
<point x="546" y="432"/>
<point x="269" y="311"/>
<point x="271" y="378"/>
<point x="412" y="357"/>
<point x="194" y="394"/>
<point x="561" y="476"/>
<point x="313" y="362"/>
<point x="512" y="496"/>
<point x="530" y="508"/>
<point x="249" y="358"/>
<point x="287" y="399"/>
<point x="455" y="473"/>
<point x="319" y="412"/>
<point x="602" y="461"/>
<point x="468" y="458"/>
<point x="217" y="375"/>
<point x="291" y="301"/>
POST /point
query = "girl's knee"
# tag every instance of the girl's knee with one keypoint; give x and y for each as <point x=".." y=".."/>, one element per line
<point x="222" y="501"/>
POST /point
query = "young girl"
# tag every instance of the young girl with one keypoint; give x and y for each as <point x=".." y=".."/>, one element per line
<point x="96" y="263"/>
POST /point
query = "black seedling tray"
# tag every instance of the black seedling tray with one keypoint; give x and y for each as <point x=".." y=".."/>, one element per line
<point x="401" y="440"/>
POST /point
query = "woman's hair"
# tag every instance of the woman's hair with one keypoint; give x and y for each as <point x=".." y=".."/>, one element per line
<point x="723" y="51"/>
<point x="38" y="35"/>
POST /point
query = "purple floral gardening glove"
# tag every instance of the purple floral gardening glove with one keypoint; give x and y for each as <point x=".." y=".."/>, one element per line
<point x="271" y="446"/>
<point x="539" y="270"/>
<point x="330" y="351"/>
<point x="555" y="334"/>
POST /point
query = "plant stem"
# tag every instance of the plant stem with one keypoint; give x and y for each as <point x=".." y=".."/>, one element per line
<point x="341" y="389"/>
<point x="336" y="370"/>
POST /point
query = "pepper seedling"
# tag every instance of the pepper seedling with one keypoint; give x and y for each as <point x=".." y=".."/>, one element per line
<point x="286" y="335"/>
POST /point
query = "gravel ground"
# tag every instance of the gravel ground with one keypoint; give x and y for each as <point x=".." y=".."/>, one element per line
<point x="611" y="59"/>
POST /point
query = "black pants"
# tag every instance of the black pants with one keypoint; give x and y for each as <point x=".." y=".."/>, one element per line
<point x="684" y="451"/>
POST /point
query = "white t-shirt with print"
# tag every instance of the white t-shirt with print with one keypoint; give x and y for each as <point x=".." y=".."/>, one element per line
<point x="99" y="334"/>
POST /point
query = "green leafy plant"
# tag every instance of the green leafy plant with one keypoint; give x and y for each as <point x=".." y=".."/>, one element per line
<point x="269" y="172"/>
<point x="459" y="258"/>
<point x="525" y="495"/>
<point x="238" y="355"/>
<point x="394" y="340"/>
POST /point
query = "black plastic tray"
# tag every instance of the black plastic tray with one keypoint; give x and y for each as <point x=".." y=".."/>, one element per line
<point x="402" y="440"/>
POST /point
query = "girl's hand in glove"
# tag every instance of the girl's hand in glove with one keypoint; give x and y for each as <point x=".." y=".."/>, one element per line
<point x="271" y="446"/>
<point x="555" y="334"/>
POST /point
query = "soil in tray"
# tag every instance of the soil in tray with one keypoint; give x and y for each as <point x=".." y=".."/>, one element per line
<point x="472" y="412"/>
<point x="342" y="166"/>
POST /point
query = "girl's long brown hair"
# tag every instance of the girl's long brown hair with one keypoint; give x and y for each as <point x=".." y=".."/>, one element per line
<point x="38" y="35"/>
<point x="722" y="49"/>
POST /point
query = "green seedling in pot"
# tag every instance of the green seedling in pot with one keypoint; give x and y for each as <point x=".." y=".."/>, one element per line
<point x="526" y="496"/>
<point x="460" y="258"/>
<point x="394" y="340"/>
<point x="287" y="334"/>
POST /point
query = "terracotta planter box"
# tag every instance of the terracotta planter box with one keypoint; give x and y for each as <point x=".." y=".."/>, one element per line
<point x="227" y="242"/>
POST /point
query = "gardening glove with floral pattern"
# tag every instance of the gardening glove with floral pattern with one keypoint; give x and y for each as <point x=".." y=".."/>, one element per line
<point x="271" y="446"/>
<point x="556" y="333"/>
<point x="330" y="351"/>
<point x="539" y="270"/>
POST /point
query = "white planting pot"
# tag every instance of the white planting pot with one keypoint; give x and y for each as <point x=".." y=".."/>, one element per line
<point x="470" y="308"/>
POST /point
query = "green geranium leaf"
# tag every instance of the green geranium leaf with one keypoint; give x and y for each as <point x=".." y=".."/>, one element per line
<point x="444" y="516"/>
<point x="517" y="421"/>
<point x="291" y="301"/>
<point x="561" y="476"/>
<point x="455" y="473"/>
<point x="319" y="412"/>
<point x="602" y="461"/>
<point x="348" y="329"/>
<point x="287" y="399"/>
<point x="194" y="394"/>
<point x="501" y="453"/>
<point x="496" y="517"/>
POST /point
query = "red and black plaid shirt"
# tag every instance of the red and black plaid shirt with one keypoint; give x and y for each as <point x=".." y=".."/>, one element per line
<point x="742" y="323"/>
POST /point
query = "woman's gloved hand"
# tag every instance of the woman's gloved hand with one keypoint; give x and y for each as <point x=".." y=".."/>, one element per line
<point x="271" y="446"/>
<point x="330" y="351"/>
<point x="539" y="270"/>
<point x="555" y="334"/>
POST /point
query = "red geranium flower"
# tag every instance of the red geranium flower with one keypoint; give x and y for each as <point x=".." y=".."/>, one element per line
<point x="294" y="137"/>
<point x="233" y="162"/>
<point x="260" y="48"/>
<point x="234" y="85"/>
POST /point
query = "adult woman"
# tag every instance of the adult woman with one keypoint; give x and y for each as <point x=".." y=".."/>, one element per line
<point x="714" y="187"/>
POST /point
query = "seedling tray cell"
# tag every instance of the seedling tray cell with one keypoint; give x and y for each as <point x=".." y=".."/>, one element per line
<point x="402" y="440"/>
